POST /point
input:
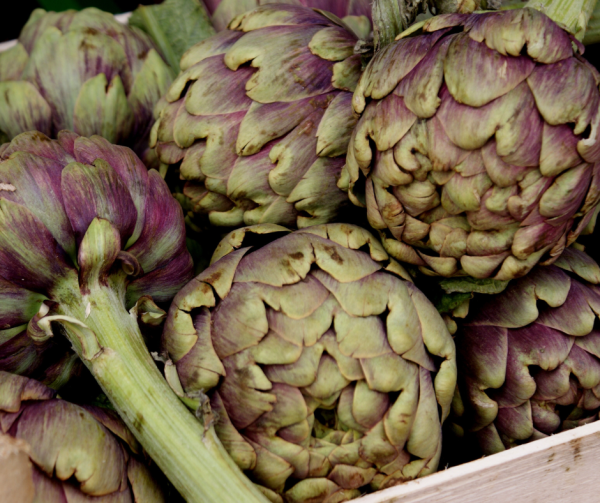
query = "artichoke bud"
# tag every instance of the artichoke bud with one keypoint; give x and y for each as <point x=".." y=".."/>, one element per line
<point x="329" y="373"/>
<point x="260" y="136"/>
<point x="76" y="452"/>
<point x="476" y="152"/>
<point x="83" y="71"/>
<point x="81" y="216"/>
<point x="530" y="356"/>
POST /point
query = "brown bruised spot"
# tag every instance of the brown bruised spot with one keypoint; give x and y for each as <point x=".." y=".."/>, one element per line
<point x="297" y="256"/>
<point x="91" y="31"/>
<point x="215" y="276"/>
<point x="334" y="254"/>
<point x="142" y="54"/>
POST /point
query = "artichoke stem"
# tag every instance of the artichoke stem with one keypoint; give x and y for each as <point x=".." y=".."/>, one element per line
<point x="191" y="457"/>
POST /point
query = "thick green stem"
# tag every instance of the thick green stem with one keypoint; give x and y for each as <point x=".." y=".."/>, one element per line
<point x="111" y="345"/>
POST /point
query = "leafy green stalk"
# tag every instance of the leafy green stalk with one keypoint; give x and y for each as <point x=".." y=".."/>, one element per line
<point x="174" y="26"/>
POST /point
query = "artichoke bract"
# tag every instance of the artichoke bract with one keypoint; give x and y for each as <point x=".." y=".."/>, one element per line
<point x="223" y="11"/>
<point x="477" y="150"/>
<point x="529" y="358"/>
<point x="261" y="134"/>
<point x="77" y="452"/>
<point x="87" y="233"/>
<point x="329" y="372"/>
<point x="83" y="71"/>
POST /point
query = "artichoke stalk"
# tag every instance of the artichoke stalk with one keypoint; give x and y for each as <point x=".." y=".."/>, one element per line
<point x="77" y="452"/>
<point x="530" y="356"/>
<point x="83" y="71"/>
<point x="477" y="150"/>
<point x="86" y="234"/>
<point x="328" y="371"/>
<point x="259" y="134"/>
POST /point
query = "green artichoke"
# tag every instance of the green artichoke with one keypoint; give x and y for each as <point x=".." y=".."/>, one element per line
<point x="85" y="72"/>
<point x="77" y="452"/>
<point x="529" y="358"/>
<point x="329" y="372"/>
<point x="223" y="11"/>
<point x="86" y="234"/>
<point x="477" y="150"/>
<point x="261" y="134"/>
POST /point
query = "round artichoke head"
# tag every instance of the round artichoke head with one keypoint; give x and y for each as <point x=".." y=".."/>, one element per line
<point x="77" y="452"/>
<point x="78" y="214"/>
<point x="329" y="372"/>
<point x="529" y="358"/>
<point x="85" y="72"/>
<point x="259" y="119"/>
<point x="477" y="150"/>
<point x="223" y="11"/>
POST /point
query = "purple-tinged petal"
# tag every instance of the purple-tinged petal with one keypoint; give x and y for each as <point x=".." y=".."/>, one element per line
<point x="552" y="384"/>
<point x="15" y="389"/>
<point x="17" y="305"/>
<point x="29" y="255"/>
<point x="575" y="316"/>
<point x="420" y="88"/>
<point x="163" y="282"/>
<point x="212" y="46"/>
<point x="163" y="234"/>
<point x="127" y="165"/>
<point x="532" y="345"/>
<point x="22" y="108"/>
<point x="516" y="422"/>
<point x="564" y="197"/>
<point x="545" y="419"/>
<point x="39" y="144"/>
<point x="482" y="351"/>
<point x="584" y="366"/>
<point x="497" y="74"/>
<point x="559" y="149"/>
<point x="509" y="31"/>
<point x="91" y="191"/>
<point x="565" y="92"/>
<point x="216" y="89"/>
<point x="36" y="184"/>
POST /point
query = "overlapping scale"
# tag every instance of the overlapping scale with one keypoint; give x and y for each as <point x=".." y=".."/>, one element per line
<point x="530" y="356"/>
<point x="474" y="104"/>
<point x="333" y="367"/>
<point x="255" y="132"/>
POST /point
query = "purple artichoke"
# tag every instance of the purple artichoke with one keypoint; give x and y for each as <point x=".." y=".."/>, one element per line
<point x="223" y="11"/>
<point x="329" y="373"/>
<point x="529" y="358"/>
<point x="261" y="134"/>
<point x="477" y="150"/>
<point x="85" y="72"/>
<point x="77" y="452"/>
<point x="87" y="235"/>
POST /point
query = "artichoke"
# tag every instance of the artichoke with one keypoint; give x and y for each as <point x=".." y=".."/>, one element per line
<point x="529" y="358"/>
<point x="477" y="149"/>
<point x="329" y="372"/>
<point x="259" y="134"/>
<point x="85" y="72"/>
<point x="223" y="11"/>
<point x="86" y="233"/>
<point x="77" y="452"/>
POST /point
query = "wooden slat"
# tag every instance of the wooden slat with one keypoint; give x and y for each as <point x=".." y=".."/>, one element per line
<point x="564" y="467"/>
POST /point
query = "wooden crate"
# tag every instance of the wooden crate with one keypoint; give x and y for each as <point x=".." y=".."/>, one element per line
<point x="562" y="468"/>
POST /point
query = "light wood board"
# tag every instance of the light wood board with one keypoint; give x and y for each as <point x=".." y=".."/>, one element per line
<point x="562" y="468"/>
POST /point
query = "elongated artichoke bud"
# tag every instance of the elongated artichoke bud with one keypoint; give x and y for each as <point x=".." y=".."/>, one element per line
<point x="529" y="358"/>
<point x="77" y="452"/>
<point x="329" y="372"/>
<point x="85" y="72"/>
<point x="259" y="119"/>
<point x="477" y="149"/>
<point x="86" y="234"/>
<point x="224" y="11"/>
